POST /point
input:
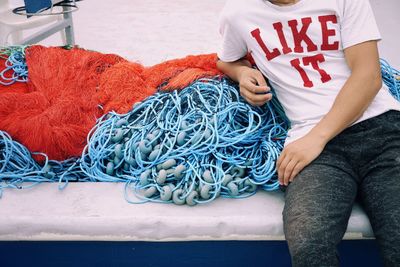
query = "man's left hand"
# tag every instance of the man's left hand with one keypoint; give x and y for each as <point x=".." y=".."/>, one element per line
<point x="297" y="155"/>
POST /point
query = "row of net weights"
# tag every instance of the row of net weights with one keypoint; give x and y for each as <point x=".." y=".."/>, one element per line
<point x="165" y="180"/>
<point x="169" y="181"/>
<point x="149" y="148"/>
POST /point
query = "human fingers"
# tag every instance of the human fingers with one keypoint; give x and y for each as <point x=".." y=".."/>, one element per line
<point x="298" y="168"/>
<point x="255" y="99"/>
<point x="251" y="84"/>
<point x="259" y="78"/>
<point x="281" y="169"/>
<point x="254" y="81"/>
<point x="288" y="171"/>
<point x="280" y="158"/>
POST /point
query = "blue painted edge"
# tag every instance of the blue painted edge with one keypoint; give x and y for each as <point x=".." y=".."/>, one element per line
<point x="166" y="254"/>
<point x="33" y="6"/>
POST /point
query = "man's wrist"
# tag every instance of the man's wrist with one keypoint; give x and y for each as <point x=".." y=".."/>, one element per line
<point x="240" y="71"/>
<point x="321" y="136"/>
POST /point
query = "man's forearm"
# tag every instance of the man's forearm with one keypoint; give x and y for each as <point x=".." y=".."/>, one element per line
<point x="354" y="98"/>
<point x="233" y="69"/>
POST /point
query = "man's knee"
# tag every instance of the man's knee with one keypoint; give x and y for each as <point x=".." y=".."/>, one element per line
<point x="310" y="242"/>
<point x="308" y="248"/>
<point x="310" y="252"/>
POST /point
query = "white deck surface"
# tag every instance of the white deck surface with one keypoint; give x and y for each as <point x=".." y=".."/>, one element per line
<point x="98" y="211"/>
<point x="152" y="31"/>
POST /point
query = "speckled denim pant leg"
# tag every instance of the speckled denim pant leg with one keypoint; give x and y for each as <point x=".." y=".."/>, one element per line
<point x="364" y="158"/>
<point x="380" y="187"/>
<point x="317" y="207"/>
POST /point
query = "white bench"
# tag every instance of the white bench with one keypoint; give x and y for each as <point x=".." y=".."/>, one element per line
<point x="98" y="211"/>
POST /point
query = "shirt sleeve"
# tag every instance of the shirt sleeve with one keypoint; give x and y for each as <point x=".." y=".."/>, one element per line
<point x="232" y="47"/>
<point x="358" y="23"/>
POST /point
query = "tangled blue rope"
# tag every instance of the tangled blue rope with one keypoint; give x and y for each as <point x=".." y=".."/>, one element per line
<point x="16" y="69"/>
<point x="17" y="167"/>
<point x="189" y="147"/>
<point x="391" y="77"/>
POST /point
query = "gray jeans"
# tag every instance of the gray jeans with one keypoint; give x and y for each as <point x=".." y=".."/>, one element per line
<point x="363" y="161"/>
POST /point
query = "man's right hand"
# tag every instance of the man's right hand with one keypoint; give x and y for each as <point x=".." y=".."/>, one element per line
<point x="253" y="87"/>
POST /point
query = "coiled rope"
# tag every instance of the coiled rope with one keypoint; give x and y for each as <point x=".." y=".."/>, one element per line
<point x="17" y="167"/>
<point x="189" y="146"/>
<point x="391" y="77"/>
<point x="16" y="69"/>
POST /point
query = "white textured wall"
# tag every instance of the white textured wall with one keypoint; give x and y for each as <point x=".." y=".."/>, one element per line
<point x="387" y="13"/>
<point x="151" y="31"/>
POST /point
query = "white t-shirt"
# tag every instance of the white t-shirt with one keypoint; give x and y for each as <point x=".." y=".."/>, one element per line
<point x="299" y="48"/>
